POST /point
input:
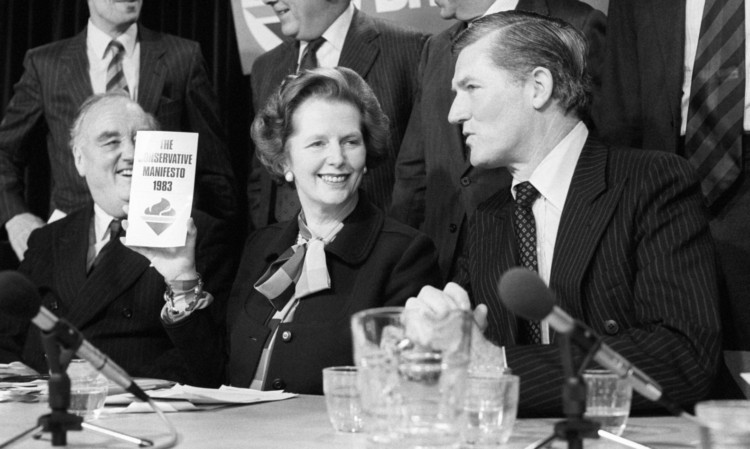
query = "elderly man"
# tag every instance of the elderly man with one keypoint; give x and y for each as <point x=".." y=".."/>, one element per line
<point x="619" y="234"/>
<point x="165" y="74"/>
<point x="436" y="188"/>
<point x="329" y="33"/>
<point x="106" y="290"/>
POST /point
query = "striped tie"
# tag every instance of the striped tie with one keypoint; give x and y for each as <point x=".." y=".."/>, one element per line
<point x="115" y="76"/>
<point x="713" y="138"/>
<point x="524" y="225"/>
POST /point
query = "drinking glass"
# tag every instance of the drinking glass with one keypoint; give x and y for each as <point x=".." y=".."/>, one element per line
<point x="726" y="424"/>
<point x="490" y="408"/>
<point x="607" y="399"/>
<point x="412" y="370"/>
<point x="342" y="398"/>
<point x="88" y="389"/>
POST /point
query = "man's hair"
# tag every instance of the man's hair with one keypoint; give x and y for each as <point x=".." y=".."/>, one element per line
<point x="101" y="99"/>
<point x="522" y="41"/>
<point x="274" y="124"/>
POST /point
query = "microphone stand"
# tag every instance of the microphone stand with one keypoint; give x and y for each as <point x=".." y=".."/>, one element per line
<point x="575" y="428"/>
<point x="59" y="422"/>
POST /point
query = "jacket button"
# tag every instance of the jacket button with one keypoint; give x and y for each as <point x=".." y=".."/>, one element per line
<point x="465" y="181"/>
<point x="452" y="228"/>
<point x="611" y="327"/>
<point x="127" y="313"/>
<point x="278" y="384"/>
<point x="286" y="336"/>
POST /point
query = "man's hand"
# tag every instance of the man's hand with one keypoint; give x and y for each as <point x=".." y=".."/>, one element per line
<point x="19" y="229"/>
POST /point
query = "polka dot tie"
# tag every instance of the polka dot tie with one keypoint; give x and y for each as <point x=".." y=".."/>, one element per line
<point x="525" y="229"/>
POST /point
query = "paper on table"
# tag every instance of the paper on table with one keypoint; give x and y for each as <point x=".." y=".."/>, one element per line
<point x="746" y="376"/>
<point x="196" y="395"/>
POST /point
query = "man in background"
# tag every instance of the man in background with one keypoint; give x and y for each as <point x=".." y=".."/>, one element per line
<point x="165" y="74"/>
<point x="436" y="187"/>
<point x="329" y="33"/>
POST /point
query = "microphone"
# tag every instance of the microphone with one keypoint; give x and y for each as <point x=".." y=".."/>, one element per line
<point x="524" y="293"/>
<point x="20" y="300"/>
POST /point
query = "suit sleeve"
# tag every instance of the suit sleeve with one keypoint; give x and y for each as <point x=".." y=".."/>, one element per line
<point x="672" y="299"/>
<point x="408" y="199"/>
<point x="215" y="182"/>
<point x="416" y="268"/>
<point x="21" y="117"/>
<point x="617" y="107"/>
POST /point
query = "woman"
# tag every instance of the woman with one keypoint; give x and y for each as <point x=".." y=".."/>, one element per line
<point x="300" y="281"/>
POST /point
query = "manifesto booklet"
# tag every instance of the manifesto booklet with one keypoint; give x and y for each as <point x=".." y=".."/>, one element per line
<point x="161" y="190"/>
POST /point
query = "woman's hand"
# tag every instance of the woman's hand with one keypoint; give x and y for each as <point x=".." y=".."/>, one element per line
<point x="175" y="264"/>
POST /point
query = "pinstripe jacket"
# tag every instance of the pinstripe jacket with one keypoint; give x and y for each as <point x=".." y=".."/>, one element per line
<point x="634" y="260"/>
<point x="117" y="305"/>
<point x="173" y="85"/>
<point x="386" y="56"/>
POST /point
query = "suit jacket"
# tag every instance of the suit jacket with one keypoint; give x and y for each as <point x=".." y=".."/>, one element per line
<point x="436" y="187"/>
<point x="642" y="76"/>
<point x="386" y="56"/>
<point x="173" y="85"/>
<point x="373" y="262"/>
<point x="634" y="260"/>
<point x="117" y="305"/>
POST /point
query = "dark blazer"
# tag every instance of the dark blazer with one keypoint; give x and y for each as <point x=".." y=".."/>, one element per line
<point x="436" y="187"/>
<point x="117" y="306"/>
<point x="382" y="53"/>
<point x="642" y="75"/>
<point x="173" y="85"/>
<point x="633" y="259"/>
<point x="373" y="262"/>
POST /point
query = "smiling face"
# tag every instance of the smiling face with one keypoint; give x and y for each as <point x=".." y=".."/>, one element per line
<point x="103" y="150"/>
<point x="493" y="107"/>
<point x="114" y="16"/>
<point x="326" y="153"/>
<point x="305" y="20"/>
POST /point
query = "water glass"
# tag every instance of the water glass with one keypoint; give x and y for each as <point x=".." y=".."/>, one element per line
<point x="607" y="399"/>
<point x="726" y="424"/>
<point x="412" y="370"/>
<point x="342" y="398"/>
<point x="490" y="408"/>
<point x="88" y="389"/>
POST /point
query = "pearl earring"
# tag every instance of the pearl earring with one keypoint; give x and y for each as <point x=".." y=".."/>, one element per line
<point x="289" y="176"/>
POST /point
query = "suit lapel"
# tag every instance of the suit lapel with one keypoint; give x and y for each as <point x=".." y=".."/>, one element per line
<point x="360" y="47"/>
<point x="589" y="207"/>
<point x="671" y="44"/>
<point x="152" y="71"/>
<point x="74" y="70"/>
<point x="70" y="257"/>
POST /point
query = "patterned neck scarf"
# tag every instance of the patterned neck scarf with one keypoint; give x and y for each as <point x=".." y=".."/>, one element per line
<point x="304" y="264"/>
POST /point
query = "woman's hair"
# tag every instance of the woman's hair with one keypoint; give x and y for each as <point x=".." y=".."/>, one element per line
<point x="273" y="125"/>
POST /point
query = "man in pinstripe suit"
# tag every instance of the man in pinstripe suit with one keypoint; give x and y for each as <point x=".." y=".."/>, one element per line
<point x="384" y="54"/>
<point x="620" y="235"/>
<point x="105" y="289"/>
<point x="165" y="74"/>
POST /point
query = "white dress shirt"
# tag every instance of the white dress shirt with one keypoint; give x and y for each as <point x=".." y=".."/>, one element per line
<point x="693" y="19"/>
<point x="329" y="53"/>
<point x="97" y="42"/>
<point x="500" y="6"/>
<point x="552" y="179"/>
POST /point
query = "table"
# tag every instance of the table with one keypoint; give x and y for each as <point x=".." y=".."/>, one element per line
<point x="298" y="423"/>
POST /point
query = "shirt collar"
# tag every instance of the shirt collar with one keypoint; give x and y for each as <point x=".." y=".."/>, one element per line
<point x="335" y="35"/>
<point x="553" y="175"/>
<point x="101" y="223"/>
<point x="501" y="5"/>
<point x="98" y="41"/>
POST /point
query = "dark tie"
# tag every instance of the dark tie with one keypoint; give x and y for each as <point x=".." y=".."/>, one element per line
<point x="115" y="232"/>
<point x="115" y="76"/>
<point x="713" y="138"/>
<point x="309" y="58"/>
<point x="525" y="228"/>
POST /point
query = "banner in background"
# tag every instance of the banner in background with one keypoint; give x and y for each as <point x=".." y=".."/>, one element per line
<point x="258" y="28"/>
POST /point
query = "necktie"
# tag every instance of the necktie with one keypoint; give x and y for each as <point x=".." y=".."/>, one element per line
<point x="309" y="58"/>
<point x="525" y="229"/>
<point x="713" y="137"/>
<point x="115" y="76"/>
<point x="115" y="232"/>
